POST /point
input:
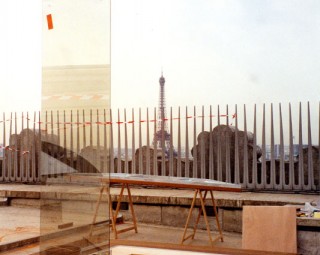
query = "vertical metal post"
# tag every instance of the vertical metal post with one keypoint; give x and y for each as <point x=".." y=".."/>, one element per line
<point x="111" y="147"/>
<point x="254" y="151"/>
<point x="141" y="167"/>
<point x="301" y="173"/>
<point x="179" y="145"/>
<point x="273" y="163"/>
<point x="292" y="180"/>
<point x="211" y="158"/>
<point x="16" y="153"/>
<point x="187" y="174"/>
<point x="310" y="184"/>
<point x="281" y="170"/>
<point x="78" y="141"/>
<point x="202" y="149"/>
<point x="133" y="167"/>
<point x="236" y="150"/>
<point x="171" y="146"/>
<point x="148" y="145"/>
<point x="105" y="144"/>
<point x="246" y="180"/>
<point x="227" y="142"/>
<point x="126" y="163"/>
<point x="33" y="150"/>
<point x="10" y="152"/>
<point x="195" y="151"/>
<point x="219" y="148"/>
<point x="71" y="140"/>
<point x="98" y="155"/>
<point x="119" y="170"/>
<point x="92" y="157"/>
<point x="3" y="172"/>
<point x="155" y="149"/>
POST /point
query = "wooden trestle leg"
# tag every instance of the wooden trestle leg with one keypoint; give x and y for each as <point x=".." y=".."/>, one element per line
<point x="134" y="227"/>
<point x="115" y="214"/>
<point x="102" y="189"/>
<point x="202" y="209"/>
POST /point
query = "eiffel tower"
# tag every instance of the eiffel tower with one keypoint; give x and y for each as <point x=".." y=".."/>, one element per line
<point x="162" y="137"/>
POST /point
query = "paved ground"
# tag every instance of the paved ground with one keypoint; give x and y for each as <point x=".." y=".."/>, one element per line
<point x="22" y="225"/>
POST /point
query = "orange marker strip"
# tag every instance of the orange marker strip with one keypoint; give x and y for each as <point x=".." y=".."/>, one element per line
<point x="49" y="21"/>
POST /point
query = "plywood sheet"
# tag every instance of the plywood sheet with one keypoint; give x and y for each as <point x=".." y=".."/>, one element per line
<point x="269" y="228"/>
<point x="131" y="250"/>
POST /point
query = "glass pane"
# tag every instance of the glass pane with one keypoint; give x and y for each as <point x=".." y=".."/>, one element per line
<point x="74" y="130"/>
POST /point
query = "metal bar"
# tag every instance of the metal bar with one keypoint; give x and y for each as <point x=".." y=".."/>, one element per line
<point x="228" y="158"/>
<point x="246" y="182"/>
<point x="22" y="163"/>
<point x="3" y="172"/>
<point x="186" y="171"/>
<point x="78" y="140"/>
<point x="155" y="158"/>
<point x="292" y="180"/>
<point x="141" y="168"/>
<point x="171" y="147"/>
<point x="126" y="163"/>
<point x="148" y="146"/>
<point x="318" y="186"/>
<point x="219" y="148"/>
<point x="133" y="144"/>
<point x="301" y="175"/>
<point x="310" y="184"/>
<point x="11" y="173"/>
<point x="71" y="140"/>
<point x="271" y="184"/>
<point x="236" y="150"/>
<point x="16" y="154"/>
<point x="211" y="158"/>
<point x="39" y="150"/>
<point x="111" y="144"/>
<point x="202" y="149"/>
<point x="83" y="167"/>
<point x="98" y="155"/>
<point x="65" y="137"/>
<point x="282" y="184"/>
<point x="163" y="146"/>
<point x="91" y="157"/>
<point x="254" y="151"/>
<point x="195" y="151"/>
<point x="105" y="145"/>
<point x="119" y="170"/>
<point x="33" y="150"/>
<point x="179" y="172"/>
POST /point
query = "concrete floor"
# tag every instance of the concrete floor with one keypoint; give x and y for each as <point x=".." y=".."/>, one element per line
<point x="22" y="226"/>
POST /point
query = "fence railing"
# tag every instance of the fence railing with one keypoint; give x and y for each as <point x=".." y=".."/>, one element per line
<point x="253" y="146"/>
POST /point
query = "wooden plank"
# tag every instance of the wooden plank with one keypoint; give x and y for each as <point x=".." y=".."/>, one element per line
<point x="179" y="247"/>
<point x="269" y="228"/>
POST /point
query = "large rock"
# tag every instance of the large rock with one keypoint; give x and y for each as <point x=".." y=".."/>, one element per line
<point x="223" y="152"/>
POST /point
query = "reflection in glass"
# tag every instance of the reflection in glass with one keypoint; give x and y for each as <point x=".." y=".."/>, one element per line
<point x="74" y="135"/>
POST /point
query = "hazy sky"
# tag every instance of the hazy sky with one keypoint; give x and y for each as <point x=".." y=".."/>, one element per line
<point x="227" y="51"/>
<point x="210" y="51"/>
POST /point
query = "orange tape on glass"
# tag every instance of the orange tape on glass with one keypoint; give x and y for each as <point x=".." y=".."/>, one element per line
<point x="49" y="21"/>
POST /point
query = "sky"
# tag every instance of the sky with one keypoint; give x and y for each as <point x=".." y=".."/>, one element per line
<point x="210" y="51"/>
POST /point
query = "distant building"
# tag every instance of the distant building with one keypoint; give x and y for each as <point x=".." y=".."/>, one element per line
<point x="277" y="151"/>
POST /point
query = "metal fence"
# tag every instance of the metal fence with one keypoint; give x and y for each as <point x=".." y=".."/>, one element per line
<point x="261" y="147"/>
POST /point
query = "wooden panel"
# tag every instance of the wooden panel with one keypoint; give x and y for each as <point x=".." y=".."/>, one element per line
<point x="269" y="228"/>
